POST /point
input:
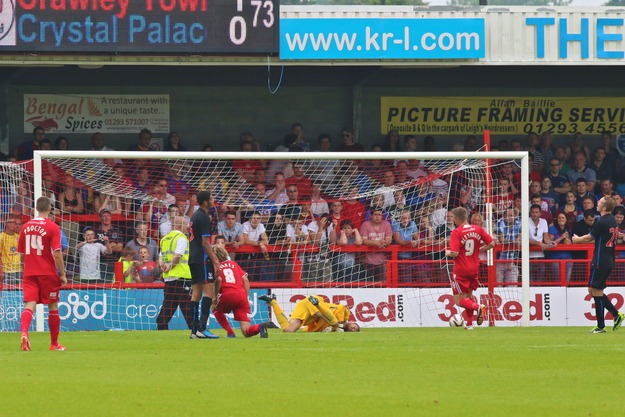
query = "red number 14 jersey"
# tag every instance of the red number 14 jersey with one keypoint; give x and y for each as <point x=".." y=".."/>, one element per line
<point x="38" y="240"/>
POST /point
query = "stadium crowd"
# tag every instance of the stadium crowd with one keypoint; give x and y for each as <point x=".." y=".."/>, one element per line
<point x="274" y="213"/>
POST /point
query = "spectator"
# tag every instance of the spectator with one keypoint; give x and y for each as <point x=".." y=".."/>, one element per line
<point x="580" y="170"/>
<point x="247" y="167"/>
<point x="232" y="231"/>
<point x="401" y="172"/>
<point x="145" y="270"/>
<point x="539" y="236"/>
<point x="344" y="263"/>
<point x="70" y="198"/>
<point x="547" y="194"/>
<point x="559" y="182"/>
<point x="107" y="200"/>
<point x="388" y="189"/>
<point x="515" y="145"/>
<point x="90" y="251"/>
<point x="291" y="209"/>
<point x="258" y="202"/>
<point x="303" y="183"/>
<point x="406" y="233"/>
<point x="298" y="130"/>
<point x="545" y="213"/>
<point x="97" y="143"/>
<point x="391" y="142"/>
<point x="323" y="169"/>
<point x="173" y="144"/>
<point x="111" y="237"/>
<point x="410" y="143"/>
<point x="320" y="230"/>
<point x="470" y="143"/>
<point x="606" y="188"/>
<point x="570" y="210"/>
<point x="509" y="173"/>
<point x="128" y="265"/>
<point x="278" y="193"/>
<point x="145" y="138"/>
<point x="349" y="144"/>
<point x="353" y="209"/>
<point x="61" y="144"/>
<point x="318" y="204"/>
<point x="503" y="198"/>
<point x="165" y="221"/>
<point x="509" y="235"/>
<point x="429" y="144"/>
<point x="336" y="213"/>
<point x="588" y="204"/>
<point x="254" y="235"/>
<point x="297" y="231"/>
<point x="375" y="168"/>
<point x="582" y="191"/>
<point x="584" y="226"/>
<point x="142" y="240"/>
<point x="142" y="181"/>
<point x="599" y="164"/>
<point x="377" y="234"/>
<point x="612" y="157"/>
<point x="560" y="233"/>
<point x="25" y="150"/>
<point x="536" y="155"/>
<point x="560" y="153"/>
<point x="577" y="145"/>
<point x="10" y="260"/>
<point x="176" y="184"/>
<point x="275" y="269"/>
<point x="394" y="211"/>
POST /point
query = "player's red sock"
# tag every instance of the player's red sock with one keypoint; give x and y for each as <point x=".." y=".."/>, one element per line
<point x="26" y="319"/>
<point x="469" y="304"/>
<point x="54" y="322"/>
<point x="253" y="330"/>
<point x="223" y="321"/>
<point x="467" y="314"/>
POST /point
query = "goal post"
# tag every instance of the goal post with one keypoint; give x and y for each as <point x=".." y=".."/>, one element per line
<point x="321" y="262"/>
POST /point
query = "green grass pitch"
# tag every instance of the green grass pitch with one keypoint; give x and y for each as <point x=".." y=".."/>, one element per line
<point x="379" y="372"/>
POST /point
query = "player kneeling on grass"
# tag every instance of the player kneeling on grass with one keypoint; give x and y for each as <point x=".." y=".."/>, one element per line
<point x="232" y="288"/>
<point x="313" y="314"/>
<point x="465" y="245"/>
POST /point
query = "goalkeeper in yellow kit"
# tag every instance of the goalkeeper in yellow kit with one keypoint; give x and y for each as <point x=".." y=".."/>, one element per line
<point x="313" y="314"/>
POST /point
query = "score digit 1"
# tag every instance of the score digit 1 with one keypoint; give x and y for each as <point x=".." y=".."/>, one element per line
<point x="238" y="26"/>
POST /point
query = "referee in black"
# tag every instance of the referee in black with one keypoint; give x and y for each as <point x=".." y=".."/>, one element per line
<point x="604" y="233"/>
<point x="204" y="267"/>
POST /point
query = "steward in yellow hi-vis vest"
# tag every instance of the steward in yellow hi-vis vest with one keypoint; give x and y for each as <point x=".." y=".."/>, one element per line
<point x="174" y="261"/>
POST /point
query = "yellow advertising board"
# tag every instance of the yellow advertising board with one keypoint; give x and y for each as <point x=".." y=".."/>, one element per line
<point x="502" y="115"/>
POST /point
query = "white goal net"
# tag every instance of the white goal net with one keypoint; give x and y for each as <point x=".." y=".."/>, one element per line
<point x="366" y="230"/>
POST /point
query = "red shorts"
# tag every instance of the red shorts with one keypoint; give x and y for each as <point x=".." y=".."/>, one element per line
<point x="42" y="288"/>
<point x="461" y="285"/>
<point x="235" y="302"/>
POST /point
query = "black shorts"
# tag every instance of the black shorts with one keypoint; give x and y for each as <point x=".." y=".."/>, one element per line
<point x="599" y="275"/>
<point x="201" y="273"/>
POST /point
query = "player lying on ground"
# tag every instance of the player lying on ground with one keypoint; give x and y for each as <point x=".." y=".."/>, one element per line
<point x="313" y="314"/>
<point x="465" y="245"/>
<point x="232" y="289"/>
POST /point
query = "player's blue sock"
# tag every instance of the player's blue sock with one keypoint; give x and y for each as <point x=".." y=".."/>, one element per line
<point x="608" y="304"/>
<point x="600" y="312"/>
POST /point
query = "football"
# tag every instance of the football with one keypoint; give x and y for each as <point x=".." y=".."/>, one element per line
<point x="456" y="320"/>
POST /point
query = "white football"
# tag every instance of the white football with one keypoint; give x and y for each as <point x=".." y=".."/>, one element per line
<point x="456" y="321"/>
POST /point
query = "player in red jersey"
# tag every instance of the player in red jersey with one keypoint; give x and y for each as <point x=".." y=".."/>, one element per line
<point x="465" y="244"/>
<point x="232" y="288"/>
<point x="44" y="271"/>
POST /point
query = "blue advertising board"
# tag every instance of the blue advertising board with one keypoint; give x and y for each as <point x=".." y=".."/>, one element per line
<point x="112" y="310"/>
<point x="350" y="39"/>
